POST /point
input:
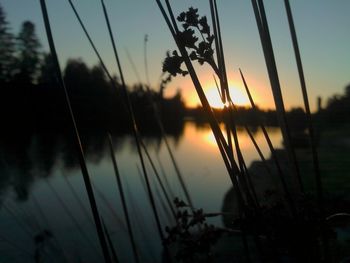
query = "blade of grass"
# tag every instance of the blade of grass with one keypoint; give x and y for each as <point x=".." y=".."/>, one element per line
<point x="223" y="72"/>
<point x="265" y="38"/>
<point x="123" y="200"/>
<point x="139" y="221"/>
<point x="310" y="128"/>
<point x="110" y="243"/>
<point x="165" y="178"/>
<point x="222" y="144"/>
<point x="75" y="221"/>
<point x="19" y="222"/>
<point x="231" y="126"/>
<point x="166" y="195"/>
<point x="110" y="208"/>
<point x="133" y="66"/>
<point x="157" y="116"/>
<point x="134" y="125"/>
<point x="218" y="51"/>
<point x="76" y="197"/>
<point x="81" y="156"/>
<point x="287" y="194"/>
<point x="48" y="226"/>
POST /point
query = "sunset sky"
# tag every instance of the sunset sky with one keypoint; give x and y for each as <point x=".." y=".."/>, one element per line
<point x="322" y="28"/>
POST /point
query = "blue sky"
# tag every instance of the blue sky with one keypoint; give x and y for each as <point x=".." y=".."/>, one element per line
<point x="322" y="28"/>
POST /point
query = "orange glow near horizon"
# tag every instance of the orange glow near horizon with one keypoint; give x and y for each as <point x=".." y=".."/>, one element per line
<point x="209" y="138"/>
<point x="261" y="95"/>
<point x="237" y="96"/>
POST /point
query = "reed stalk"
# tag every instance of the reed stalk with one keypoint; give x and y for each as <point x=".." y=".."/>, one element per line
<point x="134" y="125"/>
<point x="159" y="180"/>
<point x="165" y="178"/>
<point x="163" y="134"/>
<point x="123" y="200"/>
<point x="75" y="221"/>
<point x="226" y="97"/>
<point x="77" y="140"/>
<point x="110" y="243"/>
<point x="129" y="107"/>
<point x="231" y="127"/>
<point x="261" y="20"/>
<point x="287" y="194"/>
<point x="81" y="205"/>
<point x="224" y="93"/>
<point x="18" y="221"/>
<point x="139" y="220"/>
<point x="110" y="208"/>
<point x="16" y="218"/>
<point x="232" y="169"/>
<point x="48" y="225"/>
<point x="315" y="161"/>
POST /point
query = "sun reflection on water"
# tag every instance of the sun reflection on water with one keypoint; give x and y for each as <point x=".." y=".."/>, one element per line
<point x="209" y="138"/>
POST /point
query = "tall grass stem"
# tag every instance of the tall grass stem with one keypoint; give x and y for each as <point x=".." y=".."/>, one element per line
<point x="82" y="161"/>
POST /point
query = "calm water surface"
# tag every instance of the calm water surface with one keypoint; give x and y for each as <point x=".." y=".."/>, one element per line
<point x="41" y="188"/>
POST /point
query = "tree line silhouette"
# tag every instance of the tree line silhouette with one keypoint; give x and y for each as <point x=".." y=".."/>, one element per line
<point x="32" y="100"/>
<point x="337" y="112"/>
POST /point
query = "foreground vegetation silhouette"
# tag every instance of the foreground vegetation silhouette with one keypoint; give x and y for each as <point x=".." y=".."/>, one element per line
<point x="290" y="222"/>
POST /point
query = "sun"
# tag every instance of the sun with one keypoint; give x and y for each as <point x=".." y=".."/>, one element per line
<point x="238" y="97"/>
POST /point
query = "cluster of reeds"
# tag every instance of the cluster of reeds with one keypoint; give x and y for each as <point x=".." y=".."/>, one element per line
<point x="108" y="251"/>
<point x="197" y="41"/>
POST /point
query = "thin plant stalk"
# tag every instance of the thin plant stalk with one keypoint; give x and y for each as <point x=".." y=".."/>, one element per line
<point x="222" y="144"/>
<point x="139" y="220"/>
<point x="134" y="126"/>
<point x="220" y="50"/>
<point x="133" y="66"/>
<point x="22" y="225"/>
<point x="48" y="225"/>
<point x="75" y="221"/>
<point x="81" y="156"/>
<point x="166" y="211"/>
<point x="265" y="38"/>
<point x="129" y="107"/>
<point x="287" y="194"/>
<point x="225" y="96"/>
<point x="81" y="205"/>
<point x="257" y="148"/>
<point x="110" y="243"/>
<point x="123" y="200"/>
<point x="225" y="150"/>
<point x="162" y="131"/>
<point x="230" y="124"/>
<point x="165" y="178"/>
<point x="231" y="128"/>
<point x="319" y="188"/>
<point x="110" y="208"/>
<point x="15" y="217"/>
<point x="30" y="219"/>
<point x="165" y="193"/>
<point x="145" y="59"/>
<point x="168" y="216"/>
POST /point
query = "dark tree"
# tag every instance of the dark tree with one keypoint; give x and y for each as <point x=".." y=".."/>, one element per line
<point x="47" y="74"/>
<point x="76" y="75"/>
<point x="28" y="46"/>
<point x="7" y="47"/>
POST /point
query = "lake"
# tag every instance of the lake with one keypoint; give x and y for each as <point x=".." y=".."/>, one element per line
<point x="42" y="188"/>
